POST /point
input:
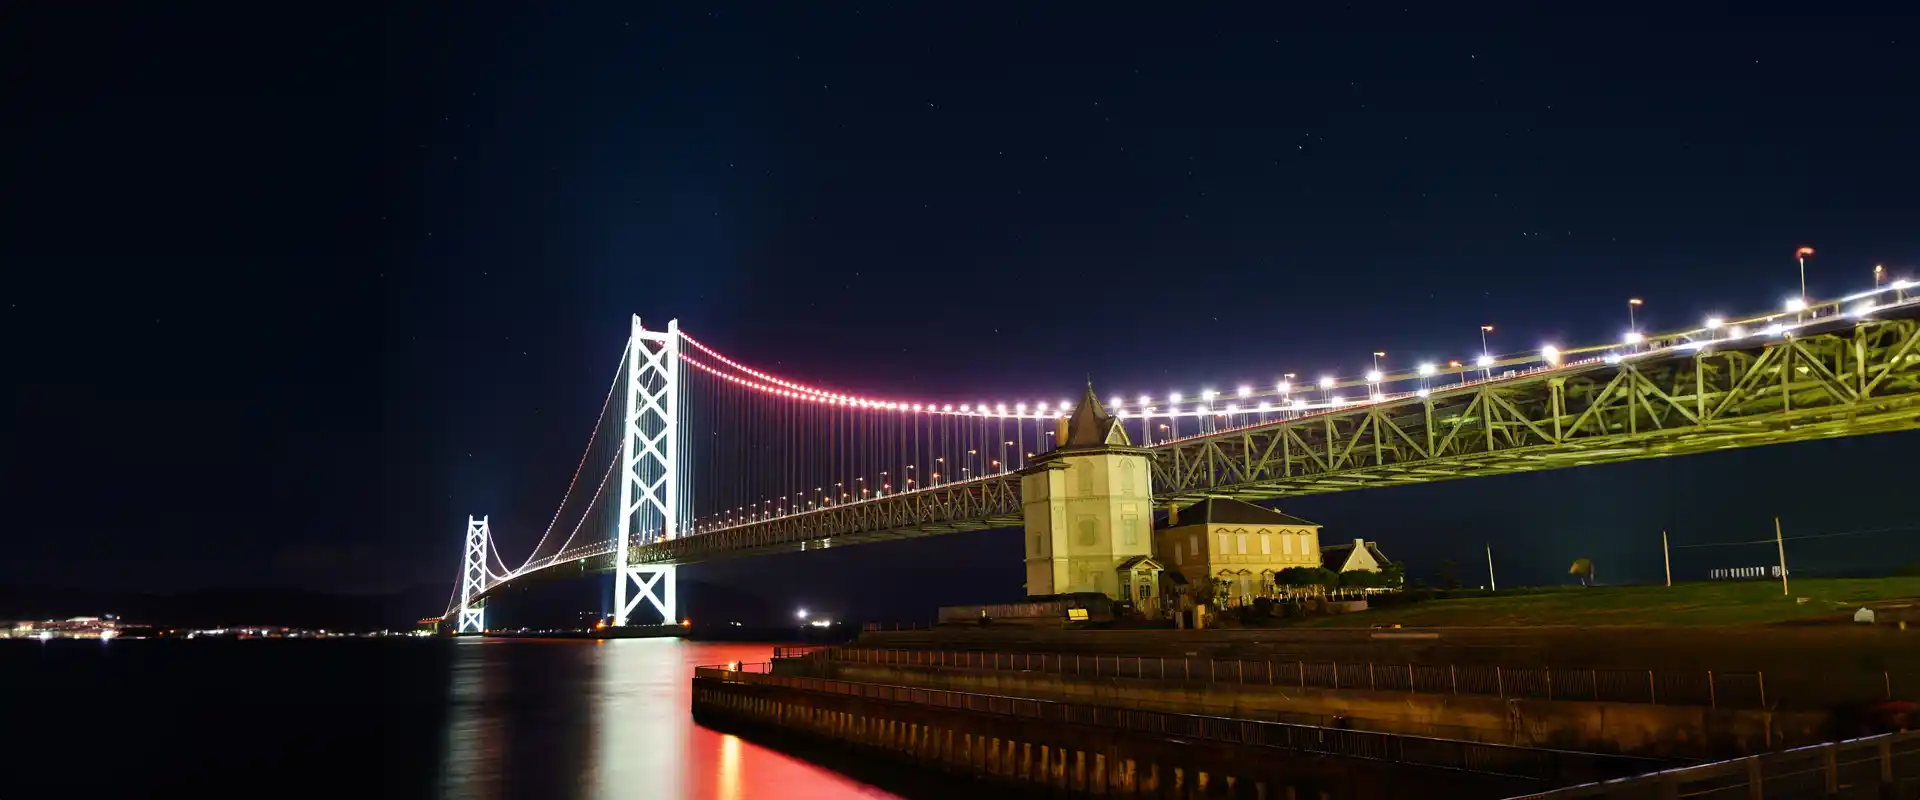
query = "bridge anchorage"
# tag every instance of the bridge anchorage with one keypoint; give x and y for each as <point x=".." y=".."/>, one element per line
<point x="781" y="466"/>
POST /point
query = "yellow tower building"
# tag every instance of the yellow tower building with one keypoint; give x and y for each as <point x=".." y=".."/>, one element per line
<point x="1088" y="506"/>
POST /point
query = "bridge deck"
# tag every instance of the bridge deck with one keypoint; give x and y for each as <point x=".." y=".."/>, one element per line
<point x="1831" y="376"/>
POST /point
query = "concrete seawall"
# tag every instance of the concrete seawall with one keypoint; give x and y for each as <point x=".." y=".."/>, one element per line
<point x="1628" y="728"/>
<point x="1054" y="757"/>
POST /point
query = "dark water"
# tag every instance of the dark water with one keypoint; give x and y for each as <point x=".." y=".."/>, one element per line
<point x="372" y="718"/>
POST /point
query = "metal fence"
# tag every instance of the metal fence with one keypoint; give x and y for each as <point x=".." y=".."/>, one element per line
<point x="1529" y="763"/>
<point x="1874" y="767"/>
<point x="1736" y="690"/>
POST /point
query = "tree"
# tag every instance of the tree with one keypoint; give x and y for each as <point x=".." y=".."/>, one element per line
<point x="1361" y="579"/>
<point x="1582" y="567"/>
<point x="1307" y="576"/>
<point x="1449" y="575"/>
<point x="1393" y="575"/>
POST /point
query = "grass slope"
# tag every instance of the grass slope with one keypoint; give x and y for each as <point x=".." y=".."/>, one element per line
<point x="1718" y="603"/>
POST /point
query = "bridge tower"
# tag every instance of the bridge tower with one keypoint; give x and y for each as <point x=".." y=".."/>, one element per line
<point x="1088" y="507"/>
<point x="473" y="577"/>
<point x="650" y="487"/>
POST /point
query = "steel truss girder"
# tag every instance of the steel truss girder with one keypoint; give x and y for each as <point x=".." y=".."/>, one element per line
<point x="1847" y="379"/>
<point x="992" y="502"/>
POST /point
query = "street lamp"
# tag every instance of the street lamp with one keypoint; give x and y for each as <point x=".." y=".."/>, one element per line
<point x="1633" y="325"/>
<point x="1879" y="271"/>
<point x="1801" y="256"/>
<point x="1486" y="355"/>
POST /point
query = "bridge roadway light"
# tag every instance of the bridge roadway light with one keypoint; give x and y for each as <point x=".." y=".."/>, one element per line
<point x="1426" y="370"/>
<point x="1633" y="337"/>
<point x="1173" y="398"/>
<point x="1373" y="376"/>
<point x="1796" y="305"/>
<point x="1283" y="387"/>
<point x="1551" y="354"/>
<point x="1714" y="323"/>
<point x="1246" y="391"/>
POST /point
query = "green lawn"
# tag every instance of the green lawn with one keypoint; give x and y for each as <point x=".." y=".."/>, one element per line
<point x="1717" y="603"/>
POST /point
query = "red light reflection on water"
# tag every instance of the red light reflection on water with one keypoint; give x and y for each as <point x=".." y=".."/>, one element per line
<point x="616" y="718"/>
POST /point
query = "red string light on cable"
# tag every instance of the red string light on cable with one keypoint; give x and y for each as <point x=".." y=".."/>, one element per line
<point x="773" y="385"/>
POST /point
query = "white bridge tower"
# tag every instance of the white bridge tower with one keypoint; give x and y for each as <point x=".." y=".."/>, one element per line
<point x="650" y="490"/>
<point x="473" y="577"/>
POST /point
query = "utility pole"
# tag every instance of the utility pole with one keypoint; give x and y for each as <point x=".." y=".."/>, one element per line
<point x="1491" y="585"/>
<point x="1781" y="543"/>
<point x="1668" y="556"/>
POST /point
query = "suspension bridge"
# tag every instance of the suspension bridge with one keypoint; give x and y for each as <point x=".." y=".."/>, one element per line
<point x="697" y="456"/>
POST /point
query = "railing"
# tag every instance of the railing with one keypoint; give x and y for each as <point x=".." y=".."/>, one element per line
<point x="1887" y="765"/>
<point x="799" y="650"/>
<point x="896" y="626"/>
<point x="1735" y="690"/>
<point x="1483" y="758"/>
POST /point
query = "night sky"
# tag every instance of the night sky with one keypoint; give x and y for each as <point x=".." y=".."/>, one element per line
<point x="287" y="296"/>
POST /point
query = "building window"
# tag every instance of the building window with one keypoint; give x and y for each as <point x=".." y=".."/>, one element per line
<point x="1241" y="541"/>
<point x="1193" y="545"/>
<point x="1130" y="528"/>
<point x="1266" y="545"/>
<point x="1126" y="476"/>
<point x="1286" y="544"/>
<point x="1178" y="557"/>
<point x="1223" y="545"/>
<point x="1089" y="531"/>
<point x="1086" y="479"/>
<point x="1306" y="544"/>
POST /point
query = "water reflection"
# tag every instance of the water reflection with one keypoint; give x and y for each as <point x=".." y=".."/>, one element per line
<point x="606" y="720"/>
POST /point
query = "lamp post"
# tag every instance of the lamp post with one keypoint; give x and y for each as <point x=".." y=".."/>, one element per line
<point x="1801" y="256"/>
<point x="1633" y="324"/>
<point x="1879" y="271"/>
<point x="1486" y="355"/>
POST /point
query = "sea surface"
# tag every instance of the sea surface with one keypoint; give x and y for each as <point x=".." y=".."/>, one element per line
<point x="430" y="718"/>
